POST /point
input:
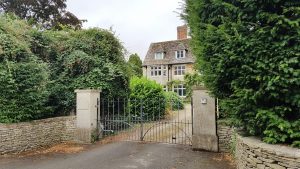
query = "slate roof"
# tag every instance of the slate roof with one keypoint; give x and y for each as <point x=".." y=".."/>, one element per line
<point x="169" y="48"/>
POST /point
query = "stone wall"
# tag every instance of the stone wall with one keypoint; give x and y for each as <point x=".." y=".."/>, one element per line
<point x="253" y="153"/>
<point x="19" y="137"/>
<point x="225" y="134"/>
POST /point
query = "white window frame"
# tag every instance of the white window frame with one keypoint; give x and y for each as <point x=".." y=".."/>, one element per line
<point x="179" y="70"/>
<point x="159" y="55"/>
<point x="164" y="72"/>
<point x="180" y="54"/>
<point x="165" y="88"/>
<point x="180" y="89"/>
<point x="156" y="71"/>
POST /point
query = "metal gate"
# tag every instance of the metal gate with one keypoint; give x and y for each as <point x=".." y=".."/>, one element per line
<point x="150" y="121"/>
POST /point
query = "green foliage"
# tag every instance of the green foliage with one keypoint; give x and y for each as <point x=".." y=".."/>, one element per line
<point x="135" y="66"/>
<point x="95" y="135"/>
<point x="192" y="79"/>
<point x="84" y="59"/>
<point x="150" y="95"/>
<point x="40" y="70"/>
<point x="173" y="101"/>
<point x="248" y="53"/>
<point x="48" y="13"/>
<point x="172" y="83"/>
<point x="23" y="76"/>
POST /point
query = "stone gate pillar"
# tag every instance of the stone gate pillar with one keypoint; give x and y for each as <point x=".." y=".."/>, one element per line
<point x="86" y="114"/>
<point x="204" y="121"/>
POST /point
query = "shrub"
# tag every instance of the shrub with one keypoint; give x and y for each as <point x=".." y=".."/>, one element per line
<point x="82" y="59"/>
<point x="39" y="69"/>
<point x="173" y="101"/>
<point x="150" y="95"/>
<point x="248" y="53"/>
<point x="23" y="76"/>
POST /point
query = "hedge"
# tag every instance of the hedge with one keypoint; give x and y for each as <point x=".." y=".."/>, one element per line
<point x="248" y="53"/>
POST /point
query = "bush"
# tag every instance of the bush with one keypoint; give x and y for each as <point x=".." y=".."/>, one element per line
<point x="149" y="94"/>
<point x="39" y="69"/>
<point x="82" y="59"/>
<point x="23" y="76"/>
<point x="173" y="101"/>
<point x="248" y="53"/>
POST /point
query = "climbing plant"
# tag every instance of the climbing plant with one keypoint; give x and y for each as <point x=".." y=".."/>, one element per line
<point x="40" y="69"/>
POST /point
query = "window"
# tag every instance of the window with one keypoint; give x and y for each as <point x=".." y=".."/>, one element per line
<point x="159" y="55"/>
<point x="156" y="71"/>
<point x="179" y="70"/>
<point x="165" y="71"/>
<point x="165" y="88"/>
<point x="180" y="90"/>
<point x="180" y="54"/>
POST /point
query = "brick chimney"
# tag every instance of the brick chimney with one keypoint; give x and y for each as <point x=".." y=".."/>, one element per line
<point x="182" y="32"/>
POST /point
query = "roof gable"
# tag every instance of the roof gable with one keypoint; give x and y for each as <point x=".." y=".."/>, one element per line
<point x="169" y="48"/>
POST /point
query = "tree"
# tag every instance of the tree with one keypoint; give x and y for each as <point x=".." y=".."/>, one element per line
<point x="48" y="13"/>
<point x="248" y="54"/>
<point x="135" y="65"/>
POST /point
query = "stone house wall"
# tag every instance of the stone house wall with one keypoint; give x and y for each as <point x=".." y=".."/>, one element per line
<point x="170" y="75"/>
<point x="189" y="68"/>
<point x="19" y="137"/>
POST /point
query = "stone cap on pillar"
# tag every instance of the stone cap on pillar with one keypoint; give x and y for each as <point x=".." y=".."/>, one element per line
<point x="88" y="91"/>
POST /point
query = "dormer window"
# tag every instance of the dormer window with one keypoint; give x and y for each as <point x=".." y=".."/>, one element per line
<point x="180" y="54"/>
<point x="159" y="55"/>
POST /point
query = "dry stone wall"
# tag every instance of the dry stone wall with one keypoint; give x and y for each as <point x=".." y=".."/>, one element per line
<point x="19" y="137"/>
<point x="253" y="153"/>
<point x="225" y="135"/>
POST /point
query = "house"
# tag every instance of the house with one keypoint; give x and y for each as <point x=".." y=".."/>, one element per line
<point x="167" y="62"/>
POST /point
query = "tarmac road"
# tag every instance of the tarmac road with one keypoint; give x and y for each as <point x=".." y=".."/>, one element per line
<point x="124" y="155"/>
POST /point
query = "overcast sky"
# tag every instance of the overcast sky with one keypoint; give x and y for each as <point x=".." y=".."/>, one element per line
<point x="137" y="23"/>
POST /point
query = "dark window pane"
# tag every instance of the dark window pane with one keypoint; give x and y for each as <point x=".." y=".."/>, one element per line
<point x="180" y="92"/>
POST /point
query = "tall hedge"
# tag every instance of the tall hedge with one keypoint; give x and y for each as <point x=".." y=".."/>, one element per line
<point x="248" y="53"/>
<point x="23" y="76"/>
<point x="84" y="59"/>
<point x="40" y="69"/>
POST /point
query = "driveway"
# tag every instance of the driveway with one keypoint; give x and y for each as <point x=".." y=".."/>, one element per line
<point x="124" y="155"/>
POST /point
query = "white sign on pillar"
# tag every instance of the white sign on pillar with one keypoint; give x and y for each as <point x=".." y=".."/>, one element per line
<point x="86" y="114"/>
